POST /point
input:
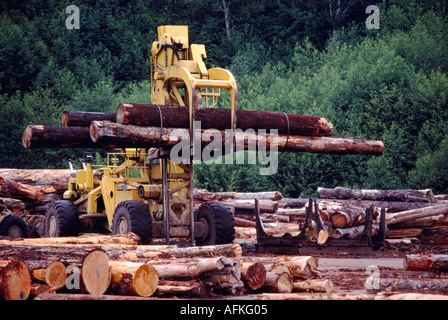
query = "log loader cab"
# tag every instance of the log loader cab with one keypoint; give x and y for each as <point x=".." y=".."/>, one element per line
<point x="144" y="191"/>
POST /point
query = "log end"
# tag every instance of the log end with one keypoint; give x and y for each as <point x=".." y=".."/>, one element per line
<point x="96" y="273"/>
<point x="15" y="281"/>
<point x="56" y="275"/>
<point x="255" y="276"/>
<point x="145" y="280"/>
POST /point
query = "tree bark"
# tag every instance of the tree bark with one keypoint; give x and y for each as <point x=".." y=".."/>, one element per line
<point x="122" y="136"/>
<point x="302" y="267"/>
<point x="266" y="206"/>
<point x="124" y="239"/>
<point x="410" y="215"/>
<point x="9" y="188"/>
<point x="83" y="118"/>
<point x="15" y="205"/>
<point x="42" y="136"/>
<point x="314" y="285"/>
<point x="352" y="232"/>
<point x="75" y="252"/>
<point x="188" y="270"/>
<point x="425" y="195"/>
<point x="436" y="236"/>
<point x="15" y="280"/>
<point x="192" y="288"/>
<point x="219" y="118"/>
<point x="78" y="296"/>
<point x="425" y="262"/>
<point x="57" y="178"/>
<point x="226" y="9"/>
<point x="404" y="233"/>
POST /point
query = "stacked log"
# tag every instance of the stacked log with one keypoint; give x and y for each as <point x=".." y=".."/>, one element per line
<point x="285" y="274"/>
<point x="107" y="266"/>
<point x="409" y="213"/>
<point x="28" y="191"/>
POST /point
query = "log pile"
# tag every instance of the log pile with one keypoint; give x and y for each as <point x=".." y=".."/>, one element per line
<point x="409" y="213"/>
<point x="31" y="189"/>
<point x="108" y="266"/>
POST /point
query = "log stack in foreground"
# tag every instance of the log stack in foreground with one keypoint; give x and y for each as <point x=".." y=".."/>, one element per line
<point x="110" y="265"/>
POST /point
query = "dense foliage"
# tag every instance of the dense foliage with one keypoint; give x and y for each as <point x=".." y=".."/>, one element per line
<point x="310" y="57"/>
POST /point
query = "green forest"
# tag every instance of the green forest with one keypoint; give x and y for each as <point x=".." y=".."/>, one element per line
<point x="314" y="57"/>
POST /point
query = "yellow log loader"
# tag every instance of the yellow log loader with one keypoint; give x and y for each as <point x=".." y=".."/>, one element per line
<point x="143" y="190"/>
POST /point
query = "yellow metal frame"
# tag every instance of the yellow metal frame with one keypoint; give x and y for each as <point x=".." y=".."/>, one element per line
<point x="180" y="77"/>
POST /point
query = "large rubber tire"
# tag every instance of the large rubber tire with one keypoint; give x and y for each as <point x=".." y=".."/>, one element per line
<point x="61" y="219"/>
<point x="220" y="223"/>
<point x="13" y="226"/>
<point x="133" y="216"/>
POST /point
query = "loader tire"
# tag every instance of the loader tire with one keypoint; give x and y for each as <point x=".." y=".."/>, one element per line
<point x="220" y="223"/>
<point x="133" y="216"/>
<point x="61" y="219"/>
<point x="13" y="226"/>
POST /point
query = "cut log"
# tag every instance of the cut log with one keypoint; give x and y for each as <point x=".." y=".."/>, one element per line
<point x="87" y="297"/>
<point x="15" y="280"/>
<point x="279" y="281"/>
<point x="303" y="267"/>
<point x="266" y="206"/>
<point x="192" y="288"/>
<point x="84" y="119"/>
<point x="190" y="270"/>
<point x="411" y="296"/>
<point x="314" y="285"/>
<point x="42" y="136"/>
<point x="95" y="273"/>
<point x="436" y="236"/>
<point x="390" y="206"/>
<point x="124" y="239"/>
<point x="126" y="136"/>
<point x="425" y="195"/>
<point x="57" y="178"/>
<point x="410" y="215"/>
<point x="269" y="195"/>
<point x="439" y="286"/>
<point x="130" y="278"/>
<point x="231" y="250"/>
<point x="55" y="275"/>
<point x="348" y="217"/>
<point x="353" y="232"/>
<point x="239" y="222"/>
<point x="76" y="252"/>
<point x="425" y="262"/>
<point x="13" y="204"/>
<point x="219" y="118"/>
<point x="9" y="188"/>
<point x="253" y="274"/>
<point x="404" y="233"/>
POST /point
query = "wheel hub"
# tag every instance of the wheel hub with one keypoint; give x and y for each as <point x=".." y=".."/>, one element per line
<point x="122" y="226"/>
<point x="15" y="232"/>
<point x="52" y="226"/>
